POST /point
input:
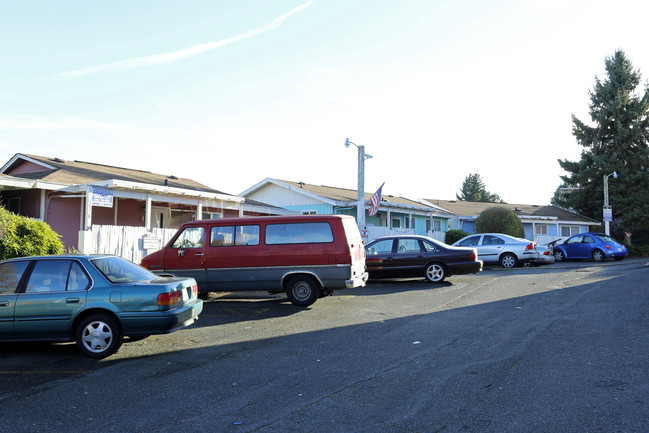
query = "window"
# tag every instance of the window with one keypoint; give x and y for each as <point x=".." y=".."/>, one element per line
<point x="492" y="240"/>
<point x="575" y="240"/>
<point x="298" y="233"/>
<point x="408" y="246"/>
<point x="396" y="223"/>
<point x="428" y="225"/>
<point x="383" y="246"/>
<point x="222" y="236"/>
<point x="309" y="212"/>
<point x="437" y="225"/>
<point x="470" y="242"/>
<point x="13" y="205"/>
<point x="430" y="248"/>
<point x="567" y="231"/>
<point x="227" y="236"/>
<point x="77" y="280"/>
<point x="191" y="237"/>
<point x="49" y="276"/>
<point x="10" y="275"/>
<point x="541" y="229"/>
<point x="118" y="270"/>
<point x="57" y="276"/>
<point x="211" y="215"/>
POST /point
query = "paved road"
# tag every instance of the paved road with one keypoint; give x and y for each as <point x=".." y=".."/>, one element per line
<point x="557" y="348"/>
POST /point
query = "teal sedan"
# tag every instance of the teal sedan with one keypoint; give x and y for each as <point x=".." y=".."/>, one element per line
<point x="94" y="300"/>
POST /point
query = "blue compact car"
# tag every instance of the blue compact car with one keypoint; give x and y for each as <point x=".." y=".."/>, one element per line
<point x="596" y="246"/>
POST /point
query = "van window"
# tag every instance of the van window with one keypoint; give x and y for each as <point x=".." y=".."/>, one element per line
<point x="227" y="236"/>
<point x="191" y="237"/>
<point x="298" y="233"/>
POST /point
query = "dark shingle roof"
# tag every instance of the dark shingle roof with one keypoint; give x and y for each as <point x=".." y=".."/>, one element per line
<point x="79" y="172"/>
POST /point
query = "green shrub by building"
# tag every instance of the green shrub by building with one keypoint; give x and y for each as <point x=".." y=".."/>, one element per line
<point x="455" y="235"/>
<point x="22" y="236"/>
<point x="499" y="220"/>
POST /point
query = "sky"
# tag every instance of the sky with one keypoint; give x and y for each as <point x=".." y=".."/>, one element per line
<point x="228" y="93"/>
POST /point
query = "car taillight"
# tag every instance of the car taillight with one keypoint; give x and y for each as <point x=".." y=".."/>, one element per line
<point x="473" y="256"/>
<point x="530" y="246"/>
<point x="194" y="291"/>
<point x="608" y="247"/>
<point x="169" y="298"/>
<point x="546" y="252"/>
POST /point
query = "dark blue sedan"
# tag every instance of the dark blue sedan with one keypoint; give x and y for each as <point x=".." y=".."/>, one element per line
<point x="596" y="246"/>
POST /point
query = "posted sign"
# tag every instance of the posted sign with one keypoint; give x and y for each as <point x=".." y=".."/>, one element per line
<point x="102" y="197"/>
<point x="608" y="214"/>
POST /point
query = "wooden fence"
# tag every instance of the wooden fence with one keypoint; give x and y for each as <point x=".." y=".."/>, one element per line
<point x="132" y="243"/>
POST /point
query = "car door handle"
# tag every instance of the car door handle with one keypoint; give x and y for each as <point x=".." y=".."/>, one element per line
<point x="72" y="300"/>
<point x="200" y="254"/>
<point x="4" y="304"/>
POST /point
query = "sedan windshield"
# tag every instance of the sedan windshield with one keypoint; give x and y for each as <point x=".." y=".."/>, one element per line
<point x="119" y="270"/>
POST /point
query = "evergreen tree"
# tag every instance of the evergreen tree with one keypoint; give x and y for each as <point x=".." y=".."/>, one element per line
<point x="473" y="189"/>
<point x="616" y="142"/>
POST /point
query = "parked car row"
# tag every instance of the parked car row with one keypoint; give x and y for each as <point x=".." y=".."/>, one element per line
<point x="97" y="300"/>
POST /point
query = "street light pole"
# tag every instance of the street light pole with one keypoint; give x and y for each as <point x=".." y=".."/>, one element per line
<point x="360" y="207"/>
<point x="608" y="212"/>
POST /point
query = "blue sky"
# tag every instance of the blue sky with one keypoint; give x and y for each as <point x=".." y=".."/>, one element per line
<point x="231" y="92"/>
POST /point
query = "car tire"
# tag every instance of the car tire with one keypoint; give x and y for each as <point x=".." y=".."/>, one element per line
<point x="98" y="336"/>
<point x="302" y="290"/>
<point x="559" y="256"/>
<point x="598" y="255"/>
<point x="435" y="273"/>
<point x="508" y="260"/>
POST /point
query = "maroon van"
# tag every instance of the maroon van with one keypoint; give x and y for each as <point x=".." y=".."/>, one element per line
<point x="306" y="256"/>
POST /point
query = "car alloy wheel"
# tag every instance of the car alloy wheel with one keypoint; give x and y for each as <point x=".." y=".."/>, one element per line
<point x="598" y="255"/>
<point x="558" y="256"/>
<point x="508" y="261"/>
<point x="435" y="273"/>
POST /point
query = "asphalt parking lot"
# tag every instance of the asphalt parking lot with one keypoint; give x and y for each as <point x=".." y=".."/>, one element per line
<point x="555" y="348"/>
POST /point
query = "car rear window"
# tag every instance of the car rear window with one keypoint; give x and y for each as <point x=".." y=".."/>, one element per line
<point x="10" y="275"/>
<point x="119" y="270"/>
<point x="299" y="233"/>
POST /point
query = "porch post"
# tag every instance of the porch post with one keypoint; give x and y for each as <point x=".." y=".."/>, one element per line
<point x="42" y="205"/>
<point x="88" y="219"/>
<point x="147" y="213"/>
<point x="199" y="210"/>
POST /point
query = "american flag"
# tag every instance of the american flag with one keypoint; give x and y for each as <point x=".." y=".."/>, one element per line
<point x="375" y="200"/>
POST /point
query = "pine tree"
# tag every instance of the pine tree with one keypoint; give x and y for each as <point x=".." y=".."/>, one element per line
<point x="473" y="189"/>
<point x="617" y="142"/>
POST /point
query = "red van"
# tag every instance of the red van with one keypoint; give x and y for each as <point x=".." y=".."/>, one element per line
<point x="306" y="256"/>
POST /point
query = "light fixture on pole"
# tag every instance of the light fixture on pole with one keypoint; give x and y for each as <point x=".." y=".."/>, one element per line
<point x="608" y="212"/>
<point x="360" y="207"/>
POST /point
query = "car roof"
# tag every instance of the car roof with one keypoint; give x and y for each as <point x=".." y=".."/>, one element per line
<point x="61" y="256"/>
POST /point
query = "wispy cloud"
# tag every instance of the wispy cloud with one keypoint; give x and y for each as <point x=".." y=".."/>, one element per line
<point x="174" y="56"/>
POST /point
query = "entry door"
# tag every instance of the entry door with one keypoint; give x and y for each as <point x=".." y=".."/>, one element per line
<point x="186" y="257"/>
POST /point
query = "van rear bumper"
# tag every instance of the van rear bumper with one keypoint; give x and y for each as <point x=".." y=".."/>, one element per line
<point x="357" y="282"/>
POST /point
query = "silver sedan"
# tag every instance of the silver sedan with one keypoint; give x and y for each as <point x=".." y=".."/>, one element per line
<point x="498" y="248"/>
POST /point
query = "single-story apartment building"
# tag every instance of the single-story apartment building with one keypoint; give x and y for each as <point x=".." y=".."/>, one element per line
<point x="396" y="215"/>
<point x="98" y="208"/>
<point x="542" y="224"/>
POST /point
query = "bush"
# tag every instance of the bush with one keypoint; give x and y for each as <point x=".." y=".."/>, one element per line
<point x="455" y="235"/>
<point x="21" y="236"/>
<point x="499" y="220"/>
